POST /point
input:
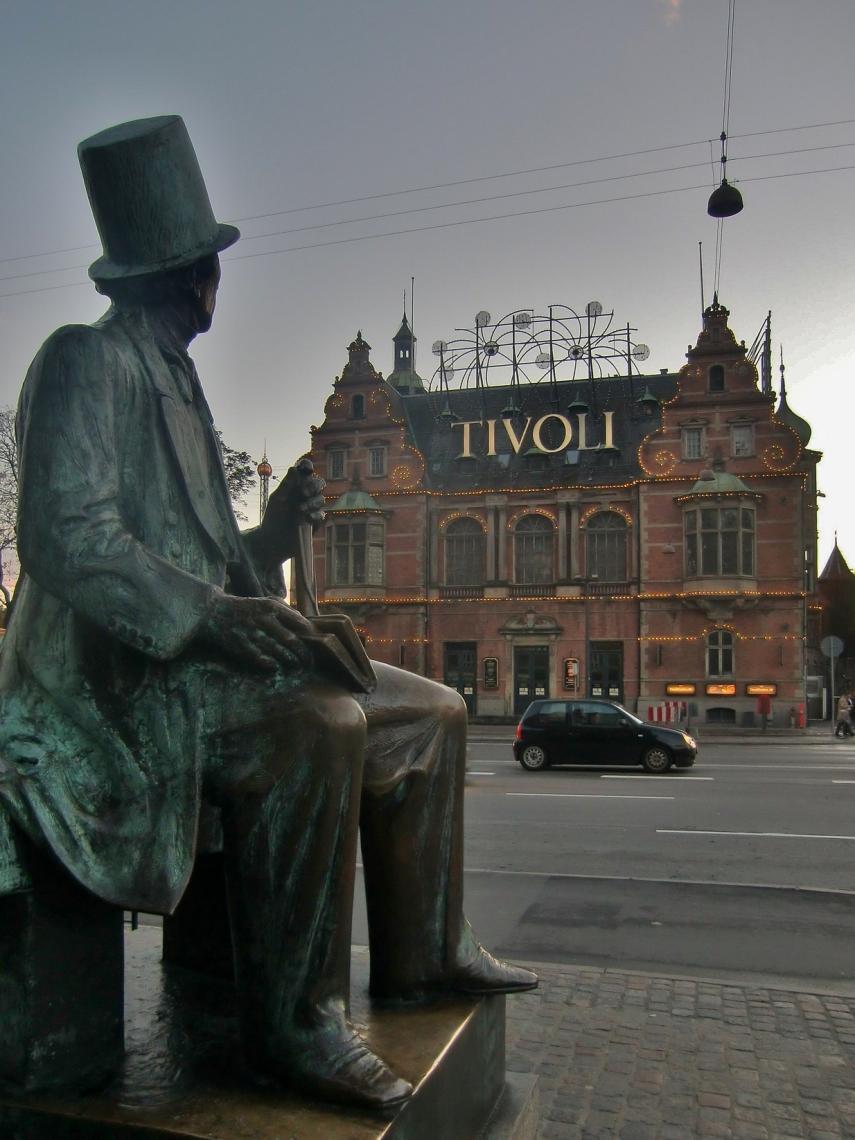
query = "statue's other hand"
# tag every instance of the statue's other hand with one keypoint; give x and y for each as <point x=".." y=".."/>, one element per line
<point x="259" y="633"/>
<point x="298" y="499"/>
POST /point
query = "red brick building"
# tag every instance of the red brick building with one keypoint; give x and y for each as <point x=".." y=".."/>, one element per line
<point x="644" y="538"/>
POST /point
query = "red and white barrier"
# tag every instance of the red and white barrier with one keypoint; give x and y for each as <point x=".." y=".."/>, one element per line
<point x="667" y="712"/>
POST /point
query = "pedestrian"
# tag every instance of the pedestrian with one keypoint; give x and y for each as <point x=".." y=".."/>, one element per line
<point x="843" y="727"/>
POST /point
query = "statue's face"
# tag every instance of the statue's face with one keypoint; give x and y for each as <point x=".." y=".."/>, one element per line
<point x="205" y="292"/>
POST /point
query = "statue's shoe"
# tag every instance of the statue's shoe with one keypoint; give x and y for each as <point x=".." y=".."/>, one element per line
<point x="480" y="974"/>
<point x="340" y="1067"/>
<point x="484" y="974"/>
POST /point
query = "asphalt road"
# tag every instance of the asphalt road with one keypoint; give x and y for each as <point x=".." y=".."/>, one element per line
<point x="742" y="867"/>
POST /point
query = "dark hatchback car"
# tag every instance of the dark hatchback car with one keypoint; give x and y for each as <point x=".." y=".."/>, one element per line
<point x="597" y="732"/>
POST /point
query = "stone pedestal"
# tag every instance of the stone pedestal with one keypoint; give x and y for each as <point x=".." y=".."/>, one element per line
<point x="60" y="986"/>
<point x="182" y="1075"/>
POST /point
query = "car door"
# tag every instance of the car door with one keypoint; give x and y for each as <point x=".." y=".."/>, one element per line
<point x="551" y="728"/>
<point x="604" y="734"/>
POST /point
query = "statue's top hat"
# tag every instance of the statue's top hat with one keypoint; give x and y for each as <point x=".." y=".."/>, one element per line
<point x="149" y="199"/>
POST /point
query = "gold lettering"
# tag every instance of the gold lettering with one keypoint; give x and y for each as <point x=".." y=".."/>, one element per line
<point x="466" y="453"/>
<point x="516" y="443"/>
<point x="609" y="441"/>
<point x="491" y="437"/>
<point x="583" y="434"/>
<point x="538" y="428"/>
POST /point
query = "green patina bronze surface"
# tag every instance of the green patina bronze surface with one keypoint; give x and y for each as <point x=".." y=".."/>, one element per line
<point x="152" y="679"/>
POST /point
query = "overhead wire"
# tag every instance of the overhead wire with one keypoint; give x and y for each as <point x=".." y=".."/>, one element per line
<point x="463" y="222"/>
<point x="468" y="181"/>
<point x="479" y="201"/>
<point x="725" y="126"/>
<point x="472" y="202"/>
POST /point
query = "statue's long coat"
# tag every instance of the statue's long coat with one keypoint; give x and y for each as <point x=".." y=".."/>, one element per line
<point x="125" y="532"/>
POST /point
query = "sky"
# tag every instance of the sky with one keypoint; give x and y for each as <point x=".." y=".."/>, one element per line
<point x="520" y="154"/>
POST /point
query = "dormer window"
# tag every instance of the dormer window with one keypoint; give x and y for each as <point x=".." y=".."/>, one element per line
<point x="716" y="378"/>
<point x="357" y="407"/>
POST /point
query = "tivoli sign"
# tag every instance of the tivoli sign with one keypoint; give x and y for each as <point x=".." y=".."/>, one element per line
<point x="486" y="431"/>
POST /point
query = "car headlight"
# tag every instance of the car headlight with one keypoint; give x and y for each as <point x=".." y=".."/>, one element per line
<point x="690" y="740"/>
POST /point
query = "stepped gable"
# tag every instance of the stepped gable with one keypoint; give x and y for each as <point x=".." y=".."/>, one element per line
<point x="717" y="391"/>
<point x="365" y="413"/>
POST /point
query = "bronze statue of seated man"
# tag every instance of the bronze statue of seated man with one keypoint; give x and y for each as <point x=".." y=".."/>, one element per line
<point x="151" y="666"/>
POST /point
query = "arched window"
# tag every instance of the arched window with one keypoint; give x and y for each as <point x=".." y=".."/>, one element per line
<point x="464" y="553"/>
<point x="355" y="554"/>
<point x="716" y="378"/>
<point x="357" y="407"/>
<point x="720" y="653"/>
<point x="533" y="541"/>
<point x="606" y="547"/>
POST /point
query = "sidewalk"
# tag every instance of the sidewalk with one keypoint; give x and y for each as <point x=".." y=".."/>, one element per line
<point x="627" y="1056"/>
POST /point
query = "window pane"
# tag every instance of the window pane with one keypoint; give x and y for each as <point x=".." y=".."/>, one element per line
<point x="691" y="521"/>
<point x="341" y="575"/>
<point x="533" y="550"/>
<point x="691" y="554"/>
<point x="692" y="443"/>
<point x="358" y="553"/>
<point x="747" y="519"/>
<point x="742" y="439"/>
<point x="375" y="565"/>
<point x="709" y="520"/>
<point x="350" y="560"/>
<point x="728" y="518"/>
<point x="336" y="464"/>
<point x="709" y="552"/>
<point x="727" y="660"/>
<point x="728" y="552"/>
<point x="747" y="553"/>
<point x="377" y="461"/>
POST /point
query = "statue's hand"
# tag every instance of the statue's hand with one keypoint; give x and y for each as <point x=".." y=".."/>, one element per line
<point x="298" y="499"/>
<point x="259" y="633"/>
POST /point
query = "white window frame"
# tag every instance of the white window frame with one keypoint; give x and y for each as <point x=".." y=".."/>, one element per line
<point x="746" y="433"/>
<point x="337" y="463"/>
<point x="377" y="457"/>
<point x="693" y="431"/>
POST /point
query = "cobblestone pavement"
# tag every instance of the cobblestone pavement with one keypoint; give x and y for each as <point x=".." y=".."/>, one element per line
<point x="624" y="1056"/>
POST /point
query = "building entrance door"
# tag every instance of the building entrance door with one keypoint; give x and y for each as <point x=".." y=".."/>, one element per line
<point x="460" y="670"/>
<point x="605" y="676"/>
<point x="531" y="676"/>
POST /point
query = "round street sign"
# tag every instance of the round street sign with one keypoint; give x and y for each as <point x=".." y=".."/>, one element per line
<point x="831" y="646"/>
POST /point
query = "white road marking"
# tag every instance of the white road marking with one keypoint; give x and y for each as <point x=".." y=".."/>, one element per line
<point x="604" y="776"/>
<point x="789" y="767"/>
<point x="843" y="781"/>
<point x="468" y="773"/>
<point x="750" y="834"/>
<point x="584" y="796"/>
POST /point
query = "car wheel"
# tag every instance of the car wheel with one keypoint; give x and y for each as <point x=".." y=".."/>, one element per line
<point x="533" y="758"/>
<point x="656" y="759"/>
